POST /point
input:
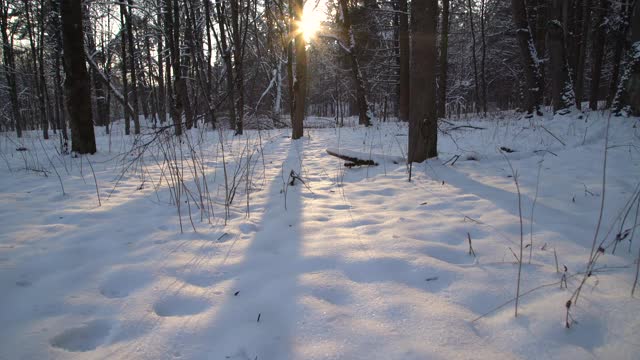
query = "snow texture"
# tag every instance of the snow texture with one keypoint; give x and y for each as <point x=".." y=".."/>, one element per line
<point x="360" y="264"/>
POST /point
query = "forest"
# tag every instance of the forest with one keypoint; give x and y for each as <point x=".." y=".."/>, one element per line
<point x="319" y="179"/>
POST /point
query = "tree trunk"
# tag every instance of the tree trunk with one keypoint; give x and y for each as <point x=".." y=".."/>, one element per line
<point x="562" y="89"/>
<point x="36" y="73"/>
<point x="9" y="66"/>
<point x="55" y="33"/>
<point x="628" y="94"/>
<point x="483" y="9"/>
<point x="403" y="32"/>
<point x="444" y="47"/>
<point x="529" y="58"/>
<point x="582" y="53"/>
<point x="476" y="93"/>
<point x="162" y="103"/>
<point x="237" y="59"/>
<point x="132" y="66"/>
<point x="76" y="82"/>
<point x="300" y="82"/>
<point x="615" y="72"/>
<point x="423" y="120"/>
<point x="364" y="116"/>
<point x="226" y="57"/>
<point x="597" y="53"/>
<point x="123" y="69"/>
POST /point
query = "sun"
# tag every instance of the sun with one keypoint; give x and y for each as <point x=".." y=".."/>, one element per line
<point x="311" y="20"/>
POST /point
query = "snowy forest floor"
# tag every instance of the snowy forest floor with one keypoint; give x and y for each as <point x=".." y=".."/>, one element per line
<point x="354" y="263"/>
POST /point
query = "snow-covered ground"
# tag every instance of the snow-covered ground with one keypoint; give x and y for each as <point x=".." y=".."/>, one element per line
<point x="354" y="263"/>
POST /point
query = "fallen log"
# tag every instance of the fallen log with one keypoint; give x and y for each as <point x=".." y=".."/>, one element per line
<point x="352" y="160"/>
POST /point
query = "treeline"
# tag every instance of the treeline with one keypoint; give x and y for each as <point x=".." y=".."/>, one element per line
<point x="244" y="63"/>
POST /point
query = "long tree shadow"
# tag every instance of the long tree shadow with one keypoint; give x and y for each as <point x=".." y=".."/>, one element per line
<point x="253" y="318"/>
<point x="508" y="201"/>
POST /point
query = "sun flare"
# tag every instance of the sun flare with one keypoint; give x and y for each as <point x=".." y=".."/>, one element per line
<point x="310" y="23"/>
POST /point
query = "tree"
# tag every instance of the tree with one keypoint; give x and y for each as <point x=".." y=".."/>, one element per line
<point x="403" y="37"/>
<point x="364" y="116"/>
<point x="628" y="94"/>
<point x="423" y="125"/>
<point x="562" y="88"/>
<point x="476" y="84"/>
<point x="300" y="81"/>
<point x="582" y="53"/>
<point x="444" y="47"/>
<point x="132" y="66"/>
<point x="597" y="53"/>
<point x="529" y="57"/>
<point x="76" y="83"/>
<point x="9" y="66"/>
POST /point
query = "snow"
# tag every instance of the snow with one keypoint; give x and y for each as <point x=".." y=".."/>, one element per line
<point x="355" y="263"/>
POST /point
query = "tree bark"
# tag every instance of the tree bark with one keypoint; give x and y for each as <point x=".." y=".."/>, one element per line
<point x="403" y="34"/>
<point x="529" y="58"/>
<point x="132" y="67"/>
<point x="586" y="20"/>
<point x="562" y="89"/>
<point x="423" y="120"/>
<point x="76" y="82"/>
<point x="123" y="69"/>
<point x="628" y="94"/>
<point x="226" y="57"/>
<point x="9" y="66"/>
<point x="597" y="53"/>
<point x="364" y="116"/>
<point x="300" y="82"/>
<point x="444" y="47"/>
<point x="476" y="93"/>
<point x="37" y="81"/>
<point x="162" y="103"/>
<point x="483" y="61"/>
<point x="237" y="62"/>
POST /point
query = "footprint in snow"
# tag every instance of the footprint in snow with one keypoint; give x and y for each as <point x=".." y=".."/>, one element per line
<point x="180" y="305"/>
<point x="248" y="228"/>
<point x="83" y="338"/>
<point x="120" y="284"/>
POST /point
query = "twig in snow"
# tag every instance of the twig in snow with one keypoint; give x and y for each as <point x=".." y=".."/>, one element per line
<point x="515" y="179"/>
<point x="471" y="251"/>
<point x="555" y="137"/>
